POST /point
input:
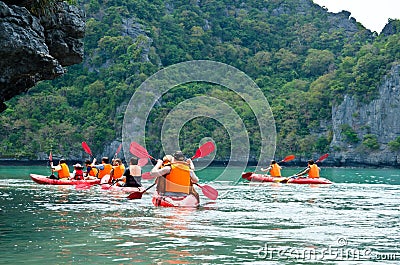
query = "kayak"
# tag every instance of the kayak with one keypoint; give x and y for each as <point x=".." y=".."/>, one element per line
<point x="47" y="181"/>
<point x="170" y="201"/>
<point x="299" y="180"/>
<point x="121" y="189"/>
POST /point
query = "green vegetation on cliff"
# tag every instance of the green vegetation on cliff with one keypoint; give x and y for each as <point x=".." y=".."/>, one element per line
<point x="303" y="58"/>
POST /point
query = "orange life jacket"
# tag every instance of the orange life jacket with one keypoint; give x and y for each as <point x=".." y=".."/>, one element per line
<point x="118" y="171"/>
<point x="178" y="179"/>
<point x="93" y="172"/>
<point x="105" y="171"/>
<point x="275" y="170"/>
<point x="314" y="171"/>
<point x="64" y="172"/>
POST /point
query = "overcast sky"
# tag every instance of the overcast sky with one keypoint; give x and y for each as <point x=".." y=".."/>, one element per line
<point x="373" y="14"/>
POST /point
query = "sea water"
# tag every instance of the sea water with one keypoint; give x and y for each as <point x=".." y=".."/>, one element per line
<point x="353" y="221"/>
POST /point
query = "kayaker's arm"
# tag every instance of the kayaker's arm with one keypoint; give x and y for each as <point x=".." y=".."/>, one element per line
<point x="193" y="177"/>
<point x="157" y="172"/>
<point x="100" y="167"/>
<point x="266" y="169"/>
<point x="56" y="168"/>
<point x="190" y="163"/>
<point x="304" y="172"/>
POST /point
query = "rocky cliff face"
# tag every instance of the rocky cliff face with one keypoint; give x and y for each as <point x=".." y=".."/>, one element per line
<point x="380" y="118"/>
<point x="34" y="49"/>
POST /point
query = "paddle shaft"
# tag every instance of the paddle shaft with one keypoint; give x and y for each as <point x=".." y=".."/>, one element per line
<point x="322" y="158"/>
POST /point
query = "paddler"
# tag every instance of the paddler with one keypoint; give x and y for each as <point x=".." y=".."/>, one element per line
<point x="104" y="169"/>
<point x="179" y="176"/>
<point x="61" y="169"/>
<point x="77" y="174"/>
<point x="133" y="174"/>
<point x="118" y="170"/>
<point x="91" y="171"/>
<point x="274" y="169"/>
<point x="312" y="170"/>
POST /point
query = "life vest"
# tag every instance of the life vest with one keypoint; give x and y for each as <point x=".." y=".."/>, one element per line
<point x="93" y="171"/>
<point x="118" y="171"/>
<point x="78" y="174"/>
<point x="161" y="180"/>
<point x="314" y="171"/>
<point x="178" y="179"/>
<point x="64" y="172"/>
<point x="105" y="171"/>
<point x="275" y="170"/>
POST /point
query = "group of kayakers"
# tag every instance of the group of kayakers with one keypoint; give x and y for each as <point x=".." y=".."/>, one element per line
<point x="114" y="172"/>
<point x="174" y="174"/>
<point x="312" y="170"/>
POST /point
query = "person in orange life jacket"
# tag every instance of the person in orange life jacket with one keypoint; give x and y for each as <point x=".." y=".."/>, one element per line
<point x="179" y="176"/>
<point x="91" y="171"/>
<point x="104" y="169"/>
<point x="62" y="169"/>
<point x="133" y="174"/>
<point x="117" y="170"/>
<point x="274" y="169"/>
<point x="312" y="170"/>
<point x="77" y="174"/>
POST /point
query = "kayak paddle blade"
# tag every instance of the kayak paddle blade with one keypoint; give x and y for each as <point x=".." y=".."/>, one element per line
<point x="147" y="175"/>
<point x="247" y="175"/>
<point x="204" y="150"/>
<point x="208" y="191"/>
<point x="135" y="195"/>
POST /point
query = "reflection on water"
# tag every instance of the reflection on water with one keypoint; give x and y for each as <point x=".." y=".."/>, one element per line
<point x="251" y="224"/>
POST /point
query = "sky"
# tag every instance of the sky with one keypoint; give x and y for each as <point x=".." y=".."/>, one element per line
<point x="372" y="14"/>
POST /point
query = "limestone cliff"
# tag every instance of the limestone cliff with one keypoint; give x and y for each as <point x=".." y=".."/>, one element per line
<point x="380" y="118"/>
<point x="34" y="49"/>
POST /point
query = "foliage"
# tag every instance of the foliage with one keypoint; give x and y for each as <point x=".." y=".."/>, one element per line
<point x="302" y="62"/>
<point x="349" y="133"/>
<point x="394" y="145"/>
<point x="371" y="141"/>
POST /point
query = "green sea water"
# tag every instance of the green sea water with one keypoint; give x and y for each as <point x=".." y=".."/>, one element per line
<point x="353" y="221"/>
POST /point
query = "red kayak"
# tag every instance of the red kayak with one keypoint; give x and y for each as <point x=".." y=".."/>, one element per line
<point x="47" y="181"/>
<point x="299" y="180"/>
<point x="170" y="201"/>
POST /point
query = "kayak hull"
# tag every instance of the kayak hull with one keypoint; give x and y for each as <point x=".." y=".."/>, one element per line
<point x="40" y="179"/>
<point x="266" y="178"/>
<point x="189" y="201"/>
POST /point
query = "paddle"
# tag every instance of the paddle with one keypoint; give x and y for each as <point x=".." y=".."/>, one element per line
<point x="208" y="191"/>
<point x="322" y="158"/>
<point x="118" y="150"/>
<point x="139" y="151"/>
<point x="86" y="148"/>
<point x="247" y="175"/>
<point x="138" y="194"/>
<point x="202" y="151"/>
<point x="52" y="176"/>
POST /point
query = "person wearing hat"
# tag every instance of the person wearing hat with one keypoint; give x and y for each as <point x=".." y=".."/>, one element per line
<point x="77" y="174"/>
<point x="61" y="169"/>
<point x="179" y="176"/>
<point x="274" y="169"/>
